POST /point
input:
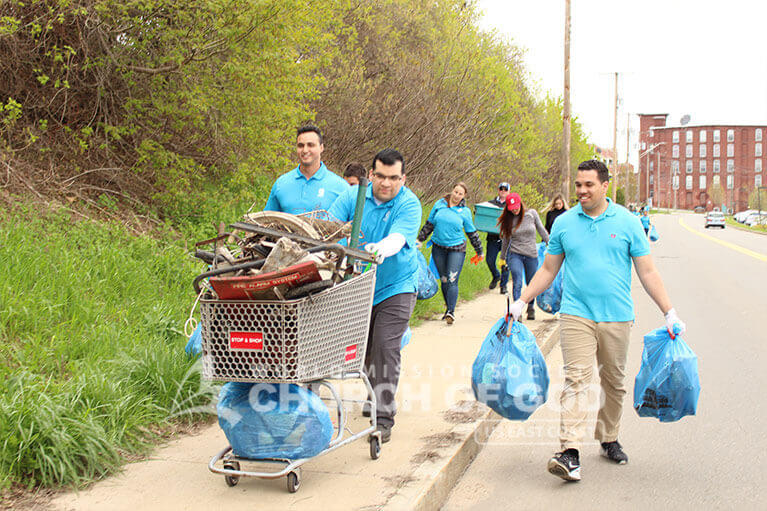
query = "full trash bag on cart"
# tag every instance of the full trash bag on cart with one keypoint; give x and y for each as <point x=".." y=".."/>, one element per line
<point x="427" y="281"/>
<point x="653" y="233"/>
<point x="273" y="420"/>
<point x="667" y="386"/>
<point x="194" y="345"/>
<point x="551" y="299"/>
<point x="509" y="374"/>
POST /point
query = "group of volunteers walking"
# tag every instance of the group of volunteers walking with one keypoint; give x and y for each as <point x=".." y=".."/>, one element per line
<point x="595" y="242"/>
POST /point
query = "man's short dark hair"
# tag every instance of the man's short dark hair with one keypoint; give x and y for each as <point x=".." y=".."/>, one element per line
<point x="306" y="128"/>
<point x="389" y="157"/>
<point x="355" y="170"/>
<point x="602" y="173"/>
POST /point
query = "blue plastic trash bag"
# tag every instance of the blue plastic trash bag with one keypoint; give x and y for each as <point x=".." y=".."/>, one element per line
<point x="194" y="346"/>
<point x="509" y="374"/>
<point x="273" y="420"/>
<point x="427" y="281"/>
<point x="406" y="338"/>
<point x="653" y="233"/>
<point x="667" y="386"/>
<point x="551" y="299"/>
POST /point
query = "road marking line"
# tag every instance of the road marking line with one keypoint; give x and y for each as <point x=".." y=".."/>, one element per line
<point x="755" y="255"/>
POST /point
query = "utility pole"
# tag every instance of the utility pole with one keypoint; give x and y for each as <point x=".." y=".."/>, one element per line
<point x="615" y="141"/>
<point x="566" y="111"/>
<point x="628" y="149"/>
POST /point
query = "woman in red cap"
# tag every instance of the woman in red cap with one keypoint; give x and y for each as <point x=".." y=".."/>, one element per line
<point x="518" y="226"/>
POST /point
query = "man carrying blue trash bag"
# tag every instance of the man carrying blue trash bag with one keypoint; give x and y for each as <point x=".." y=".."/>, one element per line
<point x="597" y="241"/>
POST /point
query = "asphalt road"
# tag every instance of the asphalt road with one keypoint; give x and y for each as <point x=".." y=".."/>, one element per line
<point x="717" y="280"/>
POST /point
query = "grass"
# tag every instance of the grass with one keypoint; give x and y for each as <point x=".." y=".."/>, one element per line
<point x="756" y="228"/>
<point x="91" y="348"/>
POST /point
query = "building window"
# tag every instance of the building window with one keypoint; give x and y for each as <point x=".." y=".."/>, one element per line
<point x="702" y="166"/>
<point x="757" y="181"/>
<point x="702" y="136"/>
<point x="716" y="166"/>
<point x="651" y="179"/>
<point x="644" y="146"/>
<point x="758" y="134"/>
<point x="716" y="135"/>
<point x="757" y="165"/>
<point x="730" y="135"/>
<point x="730" y="182"/>
<point x="688" y="136"/>
<point x="675" y="137"/>
<point x="675" y="166"/>
<point x="675" y="183"/>
<point x="688" y="151"/>
<point x="702" y="151"/>
<point x="716" y="181"/>
<point x="688" y="166"/>
<point x="702" y="182"/>
<point x="688" y="183"/>
<point x="716" y="150"/>
<point x="730" y="165"/>
<point x="730" y="150"/>
<point x="675" y="151"/>
<point x="757" y="149"/>
<point x="652" y="167"/>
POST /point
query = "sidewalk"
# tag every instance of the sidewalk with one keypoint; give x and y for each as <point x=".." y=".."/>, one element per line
<point x="439" y="430"/>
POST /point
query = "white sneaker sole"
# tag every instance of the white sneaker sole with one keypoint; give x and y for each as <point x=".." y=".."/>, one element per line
<point x="560" y="470"/>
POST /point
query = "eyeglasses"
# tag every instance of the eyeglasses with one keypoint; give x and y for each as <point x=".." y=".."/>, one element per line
<point x="393" y="179"/>
<point x="504" y="186"/>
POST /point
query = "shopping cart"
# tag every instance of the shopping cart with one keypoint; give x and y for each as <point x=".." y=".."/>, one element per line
<point x="310" y="340"/>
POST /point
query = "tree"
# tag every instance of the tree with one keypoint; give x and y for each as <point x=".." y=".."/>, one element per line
<point x="717" y="194"/>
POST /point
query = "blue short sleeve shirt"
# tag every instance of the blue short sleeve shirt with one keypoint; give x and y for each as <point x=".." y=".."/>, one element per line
<point x="450" y="223"/>
<point x="293" y="193"/>
<point x="597" y="265"/>
<point x="402" y="214"/>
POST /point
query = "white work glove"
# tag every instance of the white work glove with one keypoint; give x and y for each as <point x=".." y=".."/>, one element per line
<point x="517" y="308"/>
<point x="387" y="247"/>
<point x="672" y="321"/>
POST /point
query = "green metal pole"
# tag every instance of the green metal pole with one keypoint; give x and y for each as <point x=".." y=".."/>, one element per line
<point x="357" y="220"/>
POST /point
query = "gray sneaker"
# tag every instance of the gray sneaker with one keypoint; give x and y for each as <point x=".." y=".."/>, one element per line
<point x="613" y="451"/>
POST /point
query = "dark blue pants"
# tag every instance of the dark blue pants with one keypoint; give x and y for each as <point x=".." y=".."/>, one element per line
<point x="519" y="265"/>
<point x="493" y="248"/>
<point x="449" y="264"/>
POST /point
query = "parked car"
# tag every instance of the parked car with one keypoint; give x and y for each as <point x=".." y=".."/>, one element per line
<point x="755" y="218"/>
<point x="714" y="219"/>
<point x="699" y="209"/>
<point x="741" y="216"/>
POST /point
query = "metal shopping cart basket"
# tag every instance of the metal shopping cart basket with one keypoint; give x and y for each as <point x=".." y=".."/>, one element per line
<point x="310" y="340"/>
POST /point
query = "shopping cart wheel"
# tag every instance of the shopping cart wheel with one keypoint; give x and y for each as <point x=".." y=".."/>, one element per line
<point x="232" y="480"/>
<point x="375" y="447"/>
<point x="294" y="482"/>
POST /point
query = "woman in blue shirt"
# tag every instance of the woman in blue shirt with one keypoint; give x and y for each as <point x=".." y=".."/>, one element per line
<point x="645" y="218"/>
<point x="447" y="222"/>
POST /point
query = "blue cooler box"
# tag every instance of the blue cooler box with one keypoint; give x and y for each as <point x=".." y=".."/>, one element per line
<point x="486" y="217"/>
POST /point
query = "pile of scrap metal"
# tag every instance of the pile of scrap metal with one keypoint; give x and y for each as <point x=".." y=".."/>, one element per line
<point x="277" y="256"/>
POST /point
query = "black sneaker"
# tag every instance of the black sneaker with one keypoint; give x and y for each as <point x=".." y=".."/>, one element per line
<point x="614" y="452"/>
<point x="449" y="318"/>
<point x="385" y="430"/>
<point x="531" y="314"/>
<point x="494" y="282"/>
<point x="504" y="291"/>
<point x="566" y="465"/>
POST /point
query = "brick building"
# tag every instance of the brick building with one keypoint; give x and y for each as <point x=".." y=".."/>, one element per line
<point x="686" y="164"/>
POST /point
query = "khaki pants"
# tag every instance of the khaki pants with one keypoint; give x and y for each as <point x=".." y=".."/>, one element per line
<point x="582" y="341"/>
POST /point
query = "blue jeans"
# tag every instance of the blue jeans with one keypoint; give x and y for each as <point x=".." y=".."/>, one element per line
<point x="493" y="248"/>
<point x="519" y="264"/>
<point x="449" y="264"/>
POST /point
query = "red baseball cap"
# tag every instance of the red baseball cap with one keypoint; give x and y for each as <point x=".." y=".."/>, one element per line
<point x="513" y="200"/>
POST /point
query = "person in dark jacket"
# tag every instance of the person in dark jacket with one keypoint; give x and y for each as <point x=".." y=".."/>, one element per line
<point x="448" y="221"/>
<point x="494" y="245"/>
<point x="556" y="207"/>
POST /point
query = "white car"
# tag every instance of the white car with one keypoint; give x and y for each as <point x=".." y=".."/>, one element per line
<point x="714" y="219"/>
<point x="755" y="218"/>
<point x="741" y="217"/>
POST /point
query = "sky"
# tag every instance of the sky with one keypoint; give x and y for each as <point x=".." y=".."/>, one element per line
<point x="702" y="58"/>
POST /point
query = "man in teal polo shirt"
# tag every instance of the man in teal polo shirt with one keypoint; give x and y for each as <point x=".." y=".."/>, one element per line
<point x="389" y="227"/>
<point x="597" y="240"/>
<point x="310" y="186"/>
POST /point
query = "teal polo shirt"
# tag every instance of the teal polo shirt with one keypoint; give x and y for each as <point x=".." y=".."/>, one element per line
<point x="450" y="223"/>
<point x="402" y="214"/>
<point x="293" y="193"/>
<point x="597" y="266"/>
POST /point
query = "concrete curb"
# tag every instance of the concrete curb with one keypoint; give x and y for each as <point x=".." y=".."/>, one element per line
<point x="439" y="478"/>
